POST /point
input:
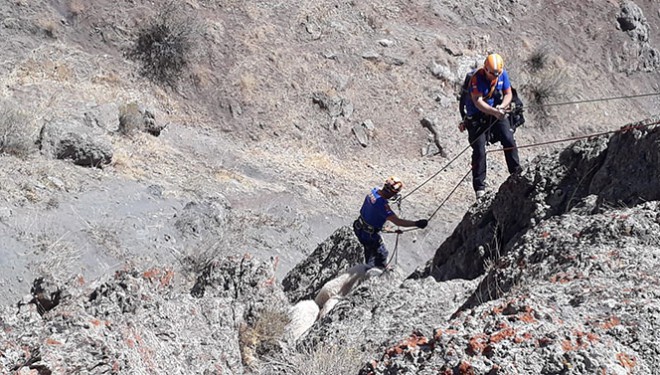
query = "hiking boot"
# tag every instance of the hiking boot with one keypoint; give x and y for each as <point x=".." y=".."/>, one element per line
<point x="480" y="193"/>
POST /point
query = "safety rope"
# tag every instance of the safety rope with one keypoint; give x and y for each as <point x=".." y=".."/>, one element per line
<point x="450" y="194"/>
<point x="594" y="100"/>
<point x="398" y="232"/>
<point x="622" y="130"/>
<point x="449" y="163"/>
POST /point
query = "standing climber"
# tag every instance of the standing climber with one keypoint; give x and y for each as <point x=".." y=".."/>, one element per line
<point x="490" y="97"/>
<point x="374" y="213"/>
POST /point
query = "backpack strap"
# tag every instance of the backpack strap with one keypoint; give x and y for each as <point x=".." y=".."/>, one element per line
<point x="492" y="85"/>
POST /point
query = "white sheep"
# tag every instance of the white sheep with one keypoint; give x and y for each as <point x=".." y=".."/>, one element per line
<point x="301" y="317"/>
<point x="341" y="285"/>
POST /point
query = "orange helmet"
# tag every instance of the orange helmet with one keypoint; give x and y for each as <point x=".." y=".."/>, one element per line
<point x="393" y="184"/>
<point x="494" y="64"/>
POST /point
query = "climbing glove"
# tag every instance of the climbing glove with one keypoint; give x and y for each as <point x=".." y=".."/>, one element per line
<point x="421" y="223"/>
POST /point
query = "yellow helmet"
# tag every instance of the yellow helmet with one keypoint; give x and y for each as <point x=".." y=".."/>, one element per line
<point x="393" y="184"/>
<point x="494" y="64"/>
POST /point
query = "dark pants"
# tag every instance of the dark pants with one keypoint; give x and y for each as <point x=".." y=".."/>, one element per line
<point x="479" y="134"/>
<point x="375" y="253"/>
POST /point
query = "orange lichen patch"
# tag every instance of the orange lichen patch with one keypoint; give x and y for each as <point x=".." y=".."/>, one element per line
<point x="80" y="281"/>
<point x="414" y="341"/>
<point x="96" y="322"/>
<point x="544" y="234"/>
<point x="115" y="367"/>
<point x="525" y="337"/>
<point x="50" y="341"/>
<point x="626" y="361"/>
<point x="580" y="339"/>
<point x="439" y="333"/>
<point x="506" y="333"/>
<point x="276" y="262"/>
<point x="497" y="310"/>
<point x="465" y="368"/>
<point x="610" y="323"/>
<point x="527" y="317"/>
<point x="476" y="344"/>
<point x="130" y="343"/>
<point x="166" y="279"/>
<point x="151" y="274"/>
<point x="567" y="345"/>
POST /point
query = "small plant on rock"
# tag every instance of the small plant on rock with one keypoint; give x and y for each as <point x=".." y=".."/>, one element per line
<point x="260" y="337"/>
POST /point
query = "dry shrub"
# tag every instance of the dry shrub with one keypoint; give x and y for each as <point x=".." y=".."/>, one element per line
<point x="542" y="82"/>
<point x="538" y="59"/>
<point x="48" y="27"/>
<point x="164" y="47"/>
<point x="325" y="359"/>
<point x="18" y="132"/>
<point x="131" y="120"/>
<point x="76" y="7"/>
<point x="261" y="337"/>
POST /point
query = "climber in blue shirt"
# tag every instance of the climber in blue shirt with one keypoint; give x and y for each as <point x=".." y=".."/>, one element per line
<point x="374" y="213"/>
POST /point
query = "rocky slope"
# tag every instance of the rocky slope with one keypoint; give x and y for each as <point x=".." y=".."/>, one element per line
<point x="288" y="113"/>
<point x="567" y="252"/>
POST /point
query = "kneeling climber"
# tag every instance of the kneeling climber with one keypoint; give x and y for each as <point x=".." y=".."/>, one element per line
<point x="374" y="213"/>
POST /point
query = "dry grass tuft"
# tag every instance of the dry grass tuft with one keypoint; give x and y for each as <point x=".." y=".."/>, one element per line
<point x="76" y="7"/>
<point x="48" y="27"/>
<point x="131" y="120"/>
<point x="325" y="359"/>
<point x="18" y="132"/>
<point x="261" y="338"/>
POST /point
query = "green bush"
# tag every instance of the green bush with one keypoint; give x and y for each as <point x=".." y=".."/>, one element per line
<point x="164" y="47"/>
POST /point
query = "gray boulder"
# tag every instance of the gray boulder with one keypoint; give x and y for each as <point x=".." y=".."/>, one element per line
<point x="72" y="140"/>
<point x="104" y="116"/>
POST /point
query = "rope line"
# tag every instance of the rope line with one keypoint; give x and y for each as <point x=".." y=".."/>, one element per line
<point x="398" y="232"/>
<point x="622" y="130"/>
<point x="594" y="100"/>
<point x="448" y="163"/>
<point x="450" y="194"/>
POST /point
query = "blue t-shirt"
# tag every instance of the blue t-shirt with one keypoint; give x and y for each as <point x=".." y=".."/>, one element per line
<point x="375" y="209"/>
<point x="481" y="85"/>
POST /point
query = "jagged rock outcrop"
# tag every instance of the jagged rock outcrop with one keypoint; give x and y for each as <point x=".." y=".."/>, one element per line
<point x="333" y="256"/>
<point x="569" y="286"/>
<point x="144" y="322"/>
